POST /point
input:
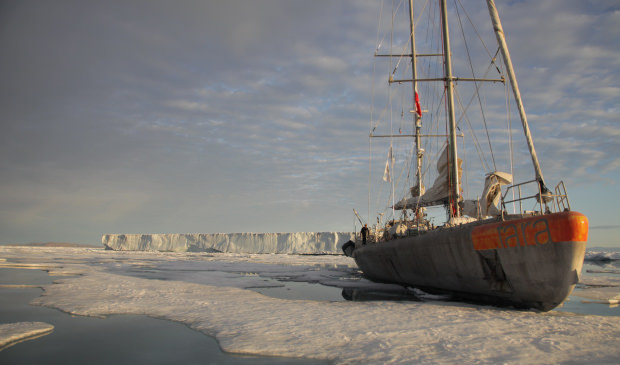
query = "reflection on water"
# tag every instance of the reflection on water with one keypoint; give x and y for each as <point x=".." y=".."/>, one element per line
<point x="301" y="291"/>
<point x="390" y="292"/>
<point x="313" y="291"/>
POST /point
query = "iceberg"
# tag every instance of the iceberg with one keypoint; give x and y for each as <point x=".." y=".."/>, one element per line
<point x="282" y="243"/>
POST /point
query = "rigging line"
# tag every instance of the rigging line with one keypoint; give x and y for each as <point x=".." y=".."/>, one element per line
<point x="405" y="46"/>
<point x="473" y="134"/>
<point x="378" y="44"/>
<point x="477" y="94"/>
<point x="372" y="103"/>
<point x="379" y="27"/>
<point x="396" y="182"/>
<point x="474" y="27"/>
<point x="391" y="154"/>
<point x="449" y="112"/>
<point x="400" y="58"/>
<point x="434" y="97"/>
<point x="388" y="105"/>
<point x="433" y="23"/>
<point x="510" y="144"/>
<point x="381" y="115"/>
<point x="379" y="200"/>
<point x="369" y="175"/>
<point x="400" y="176"/>
<point x="410" y="164"/>
<point x="465" y="169"/>
<point x="435" y="123"/>
<point x="416" y="24"/>
<point x="493" y="62"/>
<point x="479" y="85"/>
<point x="421" y="13"/>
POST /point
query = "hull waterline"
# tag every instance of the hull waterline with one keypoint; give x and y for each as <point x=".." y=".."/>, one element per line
<point x="532" y="262"/>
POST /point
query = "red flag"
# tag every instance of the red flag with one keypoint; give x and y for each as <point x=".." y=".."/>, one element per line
<point x="418" y="109"/>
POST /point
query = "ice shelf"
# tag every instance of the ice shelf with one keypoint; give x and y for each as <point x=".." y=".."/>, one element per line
<point x="284" y="243"/>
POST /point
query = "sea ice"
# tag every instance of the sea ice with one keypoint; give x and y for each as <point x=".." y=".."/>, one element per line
<point x="12" y="333"/>
<point x="602" y="255"/>
<point x="208" y="292"/>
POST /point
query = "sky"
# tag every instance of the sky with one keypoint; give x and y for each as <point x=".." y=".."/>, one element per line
<point x="253" y="116"/>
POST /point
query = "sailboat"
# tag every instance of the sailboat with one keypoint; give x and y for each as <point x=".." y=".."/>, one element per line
<point x="490" y="249"/>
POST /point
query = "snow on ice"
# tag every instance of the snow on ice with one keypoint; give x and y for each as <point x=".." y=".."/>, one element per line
<point x="12" y="333"/>
<point x="602" y="255"/>
<point x="210" y="293"/>
<point x="601" y="287"/>
<point x="290" y="243"/>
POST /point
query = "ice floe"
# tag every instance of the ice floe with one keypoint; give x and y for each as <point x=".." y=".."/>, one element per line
<point x="12" y="333"/>
<point x="601" y="255"/>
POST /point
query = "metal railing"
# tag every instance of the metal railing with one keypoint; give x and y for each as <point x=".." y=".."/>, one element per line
<point x="546" y="201"/>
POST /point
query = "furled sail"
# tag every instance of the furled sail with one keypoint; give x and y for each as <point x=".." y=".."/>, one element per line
<point x="488" y="204"/>
<point x="436" y="194"/>
<point x="417" y="191"/>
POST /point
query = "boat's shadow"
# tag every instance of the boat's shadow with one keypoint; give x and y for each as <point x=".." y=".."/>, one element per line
<point x="414" y="295"/>
<point x="374" y="294"/>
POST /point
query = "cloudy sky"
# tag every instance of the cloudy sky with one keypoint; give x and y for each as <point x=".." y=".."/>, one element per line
<point x="253" y="116"/>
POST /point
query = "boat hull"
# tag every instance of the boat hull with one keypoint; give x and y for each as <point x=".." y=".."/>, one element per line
<point x="531" y="262"/>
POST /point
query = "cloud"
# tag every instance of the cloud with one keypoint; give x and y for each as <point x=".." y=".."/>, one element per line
<point x="210" y="116"/>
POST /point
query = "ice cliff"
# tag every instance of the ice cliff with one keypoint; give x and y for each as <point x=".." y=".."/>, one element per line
<point x="286" y="243"/>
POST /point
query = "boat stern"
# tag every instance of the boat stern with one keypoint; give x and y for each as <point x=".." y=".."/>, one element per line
<point x="539" y="257"/>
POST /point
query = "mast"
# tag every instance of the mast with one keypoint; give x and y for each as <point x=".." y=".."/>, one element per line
<point x="501" y="40"/>
<point x="417" y="112"/>
<point x="449" y="82"/>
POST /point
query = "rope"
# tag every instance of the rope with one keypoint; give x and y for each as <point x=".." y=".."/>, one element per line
<point x="477" y="94"/>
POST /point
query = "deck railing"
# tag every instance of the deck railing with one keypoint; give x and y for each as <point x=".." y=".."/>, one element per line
<point x="547" y="201"/>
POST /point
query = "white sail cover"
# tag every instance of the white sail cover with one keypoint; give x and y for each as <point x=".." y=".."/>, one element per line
<point x="488" y="205"/>
<point x="437" y="193"/>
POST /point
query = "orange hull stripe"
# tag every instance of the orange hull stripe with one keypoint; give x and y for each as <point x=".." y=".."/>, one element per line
<point x="538" y="230"/>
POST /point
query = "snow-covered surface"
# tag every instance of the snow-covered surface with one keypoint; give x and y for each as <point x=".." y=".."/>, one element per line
<point x="602" y="255"/>
<point x="12" y="333"/>
<point x="209" y="293"/>
<point x="602" y="283"/>
<point x="289" y="243"/>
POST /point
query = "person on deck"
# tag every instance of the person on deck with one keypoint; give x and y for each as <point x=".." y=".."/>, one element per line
<point x="364" y="233"/>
